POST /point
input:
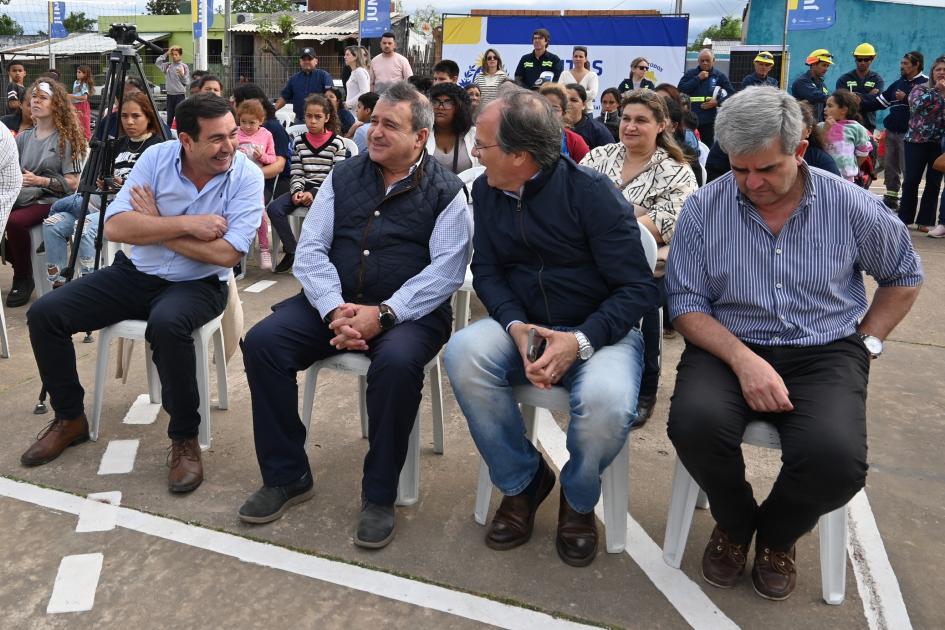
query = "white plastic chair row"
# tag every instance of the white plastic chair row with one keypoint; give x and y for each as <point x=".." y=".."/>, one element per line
<point x="832" y="526"/>
<point x="408" y="488"/>
<point x="134" y="329"/>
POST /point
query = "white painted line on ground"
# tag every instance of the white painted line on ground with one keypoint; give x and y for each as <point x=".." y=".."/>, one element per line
<point x="684" y="595"/>
<point x="875" y="579"/>
<point x="119" y="457"/>
<point x="142" y="411"/>
<point x="260" y="286"/>
<point x="99" y="514"/>
<point x="356" y="578"/>
<point x="76" y="581"/>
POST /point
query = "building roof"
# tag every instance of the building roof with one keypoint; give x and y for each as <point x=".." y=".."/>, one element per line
<point x="322" y="25"/>
<point x="74" y="44"/>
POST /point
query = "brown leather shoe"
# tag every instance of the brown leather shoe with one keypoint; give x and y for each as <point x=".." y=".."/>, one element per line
<point x="56" y="437"/>
<point x="723" y="561"/>
<point x="774" y="575"/>
<point x="576" y="541"/>
<point x="186" y="468"/>
<point x="514" y="520"/>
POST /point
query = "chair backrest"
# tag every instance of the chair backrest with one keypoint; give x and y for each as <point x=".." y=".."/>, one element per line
<point x="351" y="147"/>
<point x="295" y="131"/>
<point x="470" y="175"/>
<point x="649" y="247"/>
<point x="703" y="153"/>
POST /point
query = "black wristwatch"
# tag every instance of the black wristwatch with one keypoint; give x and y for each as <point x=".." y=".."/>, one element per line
<point x="386" y="317"/>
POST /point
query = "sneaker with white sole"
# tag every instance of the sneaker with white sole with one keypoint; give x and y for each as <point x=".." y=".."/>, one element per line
<point x="265" y="260"/>
<point x="937" y="232"/>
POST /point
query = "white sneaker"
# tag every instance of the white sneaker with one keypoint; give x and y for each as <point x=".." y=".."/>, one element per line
<point x="937" y="232"/>
<point x="265" y="260"/>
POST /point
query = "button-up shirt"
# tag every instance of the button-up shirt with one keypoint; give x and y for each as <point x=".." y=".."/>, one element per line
<point x="236" y="195"/>
<point x="800" y="287"/>
<point x="301" y="85"/>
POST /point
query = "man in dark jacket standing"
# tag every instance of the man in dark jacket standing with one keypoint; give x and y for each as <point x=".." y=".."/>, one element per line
<point x="540" y="65"/>
<point x="707" y="89"/>
<point x="810" y="85"/>
<point x="310" y="79"/>
<point x="864" y="82"/>
<point x="557" y="250"/>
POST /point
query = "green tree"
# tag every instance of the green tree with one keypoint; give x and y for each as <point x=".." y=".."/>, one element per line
<point x="9" y="27"/>
<point x="76" y="22"/>
<point x="278" y="36"/>
<point x="163" y="7"/>
<point x="729" y="28"/>
<point x="264" y="6"/>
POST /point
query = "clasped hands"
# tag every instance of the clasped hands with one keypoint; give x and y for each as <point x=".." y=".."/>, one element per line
<point x="204" y="227"/>
<point x="354" y="325"/>
<point x="560" y="353"/>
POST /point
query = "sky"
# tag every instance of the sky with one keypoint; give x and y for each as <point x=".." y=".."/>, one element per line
<point x="31" y="14"/>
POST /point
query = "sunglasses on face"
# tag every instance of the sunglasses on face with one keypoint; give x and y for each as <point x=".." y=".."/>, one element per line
<point x="644" y="68"/>
<point x="863" y="59"/>
<point x="491" y="59"/>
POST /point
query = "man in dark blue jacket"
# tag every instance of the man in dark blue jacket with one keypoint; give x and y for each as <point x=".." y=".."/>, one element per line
<point x="557" y="252"/>
<point x="540" y="65"/>
<point x="707" y="89"/>
<point x="308" y="80"/>
<point x="764" y="62"/>
<point x="810" y="85"/>
<point x="864" y="82"/>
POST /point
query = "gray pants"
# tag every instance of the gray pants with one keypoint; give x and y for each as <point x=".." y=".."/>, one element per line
<point x="894" y="162"/>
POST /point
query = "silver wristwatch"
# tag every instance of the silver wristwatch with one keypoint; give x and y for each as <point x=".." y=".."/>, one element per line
<point x="585" y="349"/>
<point x="873" y="344"/>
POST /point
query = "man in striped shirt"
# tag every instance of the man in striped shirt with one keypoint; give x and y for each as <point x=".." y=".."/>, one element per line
<point x="765" y="283"/>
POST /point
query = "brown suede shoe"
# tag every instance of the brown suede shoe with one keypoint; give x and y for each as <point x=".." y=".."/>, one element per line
<point x="514" y="520"/>
<point x="774" y="575"/>
<point x="186" y="468"/>
<point x="56" y="437"/>
<point x="576" y="540"/>
<point x="723" y="561"/>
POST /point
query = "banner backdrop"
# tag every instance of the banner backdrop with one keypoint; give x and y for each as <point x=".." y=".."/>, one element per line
<point x="612" y="42"/>
<point x="811" y="15"/>
<point x="373" y="18"/>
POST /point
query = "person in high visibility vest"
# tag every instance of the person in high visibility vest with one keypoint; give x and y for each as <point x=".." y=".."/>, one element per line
<point x="707" y="88"/>
<point x="863" y="81"/>
<point x="810" y="85"/>
<point x="764" y="62"/>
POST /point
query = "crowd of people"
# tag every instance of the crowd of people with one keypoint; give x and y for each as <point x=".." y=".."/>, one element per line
<point x="774" y="323"/>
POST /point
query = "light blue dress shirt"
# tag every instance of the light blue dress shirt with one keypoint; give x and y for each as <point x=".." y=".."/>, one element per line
<point x="236" y="195"/>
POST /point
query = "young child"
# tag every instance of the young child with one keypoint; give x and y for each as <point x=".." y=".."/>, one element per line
<point x="314" y="154"/>
<point x="176" y="78"/>
<point x="258" y="145"/>
<point x="82" y="89"/>
<point x="358" y="131"/>
<point x="846" y="140"/>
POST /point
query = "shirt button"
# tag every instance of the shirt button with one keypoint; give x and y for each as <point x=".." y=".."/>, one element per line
<point x="366" y="252"/>
<point x="781" y="317"/>
<point x="778" y="285"/>
<point x="778" y="251"/>
<point x="377" y="213"/>
<point x="775" y="338"/>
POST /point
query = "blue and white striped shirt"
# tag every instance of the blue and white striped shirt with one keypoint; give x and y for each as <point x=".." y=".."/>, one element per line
<point x="803" y="287"/>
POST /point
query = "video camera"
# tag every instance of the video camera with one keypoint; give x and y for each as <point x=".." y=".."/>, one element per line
<point x="127" y="34"/>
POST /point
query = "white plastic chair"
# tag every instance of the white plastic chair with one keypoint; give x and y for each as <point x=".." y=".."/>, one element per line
<point x="38" y="262"/>
<point x="134" y="329"/>
<point x="4" y="341"/>
<point x="408" y="488"/>
<point x="615" y="482"/>
<point x="295" y="131"/>
<point x="832" y="526"/>
<point x="350" y="145"/>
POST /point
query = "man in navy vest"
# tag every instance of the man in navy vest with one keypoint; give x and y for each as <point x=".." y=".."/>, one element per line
<point x="384" y="246"/>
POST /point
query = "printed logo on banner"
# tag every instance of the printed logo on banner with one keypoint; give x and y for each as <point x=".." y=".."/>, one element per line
<point x="57" y="13"/>
<point x="811" y="15"/>
<point x="374" y="17"/>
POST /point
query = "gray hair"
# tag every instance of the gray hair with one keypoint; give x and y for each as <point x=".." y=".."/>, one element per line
<point x="421" y="113"/>
<point x="751" y="120"/>
<point x="527" y="123"/>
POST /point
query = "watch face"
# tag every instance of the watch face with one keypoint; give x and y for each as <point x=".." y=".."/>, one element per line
<point x="586" y="353"/>
<point x="873" y="344"/>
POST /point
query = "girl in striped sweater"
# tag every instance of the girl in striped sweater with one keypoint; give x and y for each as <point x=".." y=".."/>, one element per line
<point x="314" y="154"/>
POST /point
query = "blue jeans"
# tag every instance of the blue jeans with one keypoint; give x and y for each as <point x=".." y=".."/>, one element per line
<point x="484" y="364"/>
<point x="58" y="228"/>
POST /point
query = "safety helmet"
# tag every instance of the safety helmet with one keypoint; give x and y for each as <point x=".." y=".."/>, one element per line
<point x="821" y="54"/>
<point x="765" y="57"/>
<point x="864" y="50"/>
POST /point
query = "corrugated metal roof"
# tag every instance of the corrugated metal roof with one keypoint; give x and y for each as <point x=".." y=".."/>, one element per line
<point x="74" y="44"/>
<point x="313" y="24"/>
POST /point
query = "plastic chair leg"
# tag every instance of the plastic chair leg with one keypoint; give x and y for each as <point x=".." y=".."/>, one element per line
<point x="483" y="493"/>
<point x="461" y="313"/>
<point x="154" y="379"/>
<point x="101" y="371"/>
<point x="4" y="341"/>
<point x="219" y="357"/>
<point x="682" y="503"/>
<point x="38" y="262"/>
<point x="833" y="555"/>
<point x="436" y="390"/>
<point x="202" y="358"/>
<point x="703" y="501"/>
<point x="408" y="486"/>
<point x="308" y="396"/>
<point x="616" y="499"/>
<point x="362" y="405"/>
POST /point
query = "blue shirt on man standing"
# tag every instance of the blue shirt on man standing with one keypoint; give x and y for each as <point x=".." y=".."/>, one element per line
<point x="303" y="83"/>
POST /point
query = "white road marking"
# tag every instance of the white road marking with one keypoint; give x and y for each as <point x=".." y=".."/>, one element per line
<point x="99" y="514"/>
<point x="684" y="595"/>
<point x="260" y="286"/>
<point x="76" y="581"/>
<point x="142" y="411"/>
<point x="350" y="576"/>
<point x="875" y="580"/>
<point x="119" y="457"/>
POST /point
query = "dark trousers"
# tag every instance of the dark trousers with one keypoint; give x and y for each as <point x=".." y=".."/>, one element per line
<point x="173" y="100"/>
<point x="173" y="311"/>
<point x="279" y="210"/>
<point x="919" y="159"/>
<point x="707" y="132"/>
<point x="19" y="223"/>
<point x="652" y="343"/>
<point x="294" y="337"/>
<point x="823" y="440"/>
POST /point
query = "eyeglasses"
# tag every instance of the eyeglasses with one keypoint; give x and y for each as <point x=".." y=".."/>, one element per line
<point x="644" y="68"/>
<point x="863" y="59"/>
<point x="479" y="147"/>
<point x="447" y="104"/>
<point x="492" y="58"/>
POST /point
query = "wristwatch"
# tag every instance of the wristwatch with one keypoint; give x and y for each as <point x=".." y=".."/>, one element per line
<point x="386" y="317"/>
<point x="585" y="349"/>
<point x="873" y="344"/>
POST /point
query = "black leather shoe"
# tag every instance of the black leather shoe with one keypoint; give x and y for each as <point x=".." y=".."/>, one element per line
<point x="576" y="541"/>
<point x="645" y="404"/>
<point x="514" y="520"/>
<point x="285" y="264"/>
<point x="375" y="525"/>
<point x="20" y="292"/>
<point x="270" y="502"/>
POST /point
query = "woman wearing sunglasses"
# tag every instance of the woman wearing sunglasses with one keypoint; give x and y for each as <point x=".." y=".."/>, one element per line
<point x="637" y="80"/>
<point x="492" y="76"/>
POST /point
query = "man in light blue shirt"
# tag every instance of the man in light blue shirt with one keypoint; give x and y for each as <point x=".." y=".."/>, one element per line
<point x="191" y="209"/>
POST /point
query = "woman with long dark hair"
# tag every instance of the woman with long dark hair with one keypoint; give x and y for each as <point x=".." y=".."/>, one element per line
<point x="453" y="135"/>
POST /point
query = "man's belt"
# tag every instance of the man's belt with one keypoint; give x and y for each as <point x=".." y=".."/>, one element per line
<point x="699" y="99"/>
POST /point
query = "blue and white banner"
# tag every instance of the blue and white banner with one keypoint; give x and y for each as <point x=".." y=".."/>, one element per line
<point x="57" y="13"/>
<point x="374" y="17"/>
<point x="612" y="42"/>
<point x="198" y="13"/>
<point x="811" y="15"/>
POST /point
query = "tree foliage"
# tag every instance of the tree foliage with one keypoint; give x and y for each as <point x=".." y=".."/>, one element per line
<point x="429" y="14"/>
<point x="264" y="6"/>
<point x="163" y="7"/>
<point x="9" y="27"/>
<point x="76" y="22"/>
<point x="278" y="36"/>
<point x="729" y="28"/>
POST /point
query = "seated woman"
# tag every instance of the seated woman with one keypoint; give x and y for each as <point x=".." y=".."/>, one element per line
<point x="610" y="112"/>
<point x="50" y="157"/>
<point x="594" y="132"/>
<point x="345" y="117"/>
<point x="451" y="141"/>
<point x="140" y="128"/>
<point x="651" y="171"/>
<point x="572" y="144"/>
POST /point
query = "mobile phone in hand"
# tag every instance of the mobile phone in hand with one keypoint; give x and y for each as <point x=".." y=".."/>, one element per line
<point x="536" y="345"/>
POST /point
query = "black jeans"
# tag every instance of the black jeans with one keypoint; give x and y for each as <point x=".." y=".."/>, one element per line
<point x="173" y="100"/>
<point x="707" y="132"/>
<point x="294" y="337"/>
<point x="919" y="159"/>
<point x="173" y="311"/>
<point x="823" y="441"/>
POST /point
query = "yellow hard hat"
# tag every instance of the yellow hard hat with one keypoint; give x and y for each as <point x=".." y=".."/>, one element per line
<point x="821" y="54"/>
<point x="765" y="57"/>
<point x="864" y="50"/>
